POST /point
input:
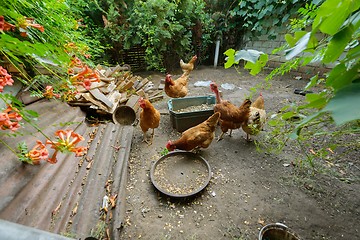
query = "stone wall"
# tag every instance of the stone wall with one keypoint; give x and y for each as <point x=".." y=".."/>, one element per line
<point x="268" y="45"/>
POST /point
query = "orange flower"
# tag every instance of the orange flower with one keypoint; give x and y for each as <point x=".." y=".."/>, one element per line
<point x="37" y="26"/>
<point x="9" y="119"/>
<point x="67" y="141"/>
<point x="39" y="152"/>
<point x="85" y="78"/>
<point x="5" y="26"/>
<point x="24" y="23"/>
<point x="49" y="93"/>
<point x="69" y="95"/>
<point x="53" y="159"/>
<point x="79" y="151"/>
<point x="5" y="78"/>
<point x="75" y="62"/>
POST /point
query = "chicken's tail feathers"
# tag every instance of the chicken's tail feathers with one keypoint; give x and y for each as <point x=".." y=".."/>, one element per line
<point x="213" y="119"/>
<point x="182" y="62"/>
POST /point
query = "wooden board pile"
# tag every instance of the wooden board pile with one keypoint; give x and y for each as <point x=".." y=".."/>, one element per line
<point x="116" y="87"/>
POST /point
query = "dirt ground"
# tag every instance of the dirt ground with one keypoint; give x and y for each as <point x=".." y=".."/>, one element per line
<point x="248" y="189"/>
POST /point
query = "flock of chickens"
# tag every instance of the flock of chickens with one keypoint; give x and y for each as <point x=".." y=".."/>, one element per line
<point x="250" y="116"/>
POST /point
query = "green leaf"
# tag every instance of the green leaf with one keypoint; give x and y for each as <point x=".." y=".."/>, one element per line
<point x="300" y="46"/>
<point x="230" y="60"/>
<point x="32" y="113"/>
<point x="247" y="55"/>
<point x="312" y="82"/>
<point x="295" y="134"/>
<point x="344" y="106"/>
<point x="293" y="40"/>
<point x="337" y="44"/>
<point x="287" y="115"/>
<point x="316" y="100"/>
<point x="340" y="76"/>
<point x="256" y="67"/>
<point x="332" y="14"/>
<point x="272" y="123"/>
<point x="353" y="53"/>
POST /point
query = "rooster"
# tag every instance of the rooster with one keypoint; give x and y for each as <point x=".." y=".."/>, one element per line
<point x="199" y="136"/>
<point x="177" y="88"/>
<point x="188" y="67"/>
<point x="149" y="118"/>
<point x="232" y="117"/>
<point x="257" y="118"/>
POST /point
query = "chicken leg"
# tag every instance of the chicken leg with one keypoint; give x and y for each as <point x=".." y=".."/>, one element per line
<point x="248" y="138"/>
<point x="145" y="138"/>
<point x="152" y="136"/>
<point x="222" y="134"/>
<point x="220" y="137"/>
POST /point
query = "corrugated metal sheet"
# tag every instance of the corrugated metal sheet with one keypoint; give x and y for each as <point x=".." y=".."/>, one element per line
<point x="66" y="197"/>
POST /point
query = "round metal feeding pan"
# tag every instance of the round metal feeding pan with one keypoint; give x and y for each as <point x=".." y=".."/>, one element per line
<point x="275" y="231"/>
<point x="180" y="174"/>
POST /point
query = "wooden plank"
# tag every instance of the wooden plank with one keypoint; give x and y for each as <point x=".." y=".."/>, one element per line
<point x="123" y="97"/>
<point x="80" y="104"/>
<point x="97" y="103"/>
<point x="142" y="83"/>
<point x="108" y="72"/>
<point x="100" y="96"/>
<point x="107" y="79"/>
<point x="114" y="97"/>
<point x="125" y="86"/>
<point x="148" y="86"/>
<point x="133" y="102"/>
<point x="152" y="99"/>
<point x="155" y="93"/>
<point x="108" y="89"/>
<point x="161" y="86"/>
<point x="142" y="93"/>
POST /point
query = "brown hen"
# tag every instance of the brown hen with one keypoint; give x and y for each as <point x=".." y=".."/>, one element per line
<point x="176" y="88"/>
<point x="257" y="118"/>
<point x="199" y="136"/>
<point x="232" y="117"/>
<point x="188" y="67"/>
<point x="149" y="118"/>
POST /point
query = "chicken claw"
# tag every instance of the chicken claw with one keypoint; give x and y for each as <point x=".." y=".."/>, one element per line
<point x="248" y="138"/>
<point x="220" y="137"/>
